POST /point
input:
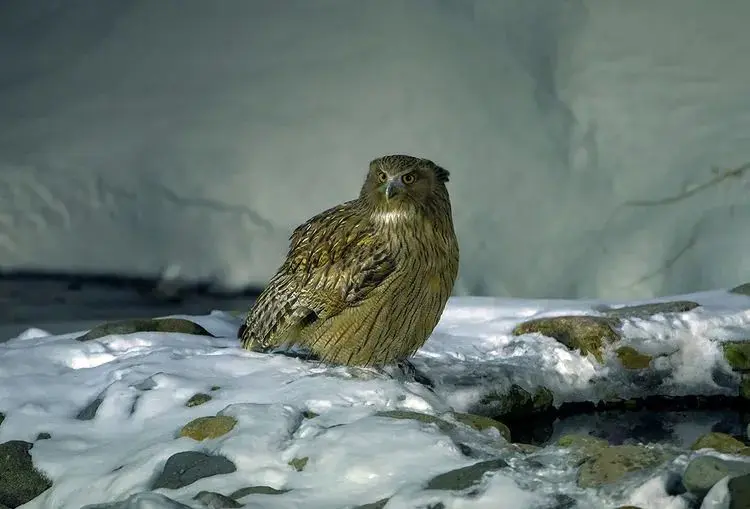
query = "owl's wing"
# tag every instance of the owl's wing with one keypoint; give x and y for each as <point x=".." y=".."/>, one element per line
<point x="333" y="262"/>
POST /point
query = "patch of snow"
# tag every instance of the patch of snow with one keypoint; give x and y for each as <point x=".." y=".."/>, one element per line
<point x="144" y="380"/>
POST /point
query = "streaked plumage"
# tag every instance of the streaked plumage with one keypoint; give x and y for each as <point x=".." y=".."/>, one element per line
<point x="364" y="283"/>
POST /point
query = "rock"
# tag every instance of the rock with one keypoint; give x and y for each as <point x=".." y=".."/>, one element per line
<point x="198" y="399"/>
<point x="2" y="418"/>
<point x="256" y="490"/>
<point x="737" y="354"/>
<point x="216" y="500"/>
<point x="743" y="289"/>
<point x="179" y="325"/>
<point x="588" y="334"/>
<point x="415" y="416"/>
<point x="20" y="481"/>
<point x="586" y="446"/>
<point x="517" y="402"/>
<point x="215" y="388"/>
<point x="184" y="468"/>
<point x="309" y="414"/>
<point x="720" y="442"/>
<point x="299" y="463"/>
<point x="630" y="358"/>
<point x="380" y="504"/>
<point x="204" y="428"/>
<point x="648" y="310"/>
<point x="745" y="389"/>
<point x="612" y="463"/>
<point x="703" y="472"/>
<point x="739" y="492"/>
<point x="481" y="423"/>
<point x="140" y="500"/>
<point x="466" y="477"/>
<point x="89" y="411"/>
<point x="43" y="436"/>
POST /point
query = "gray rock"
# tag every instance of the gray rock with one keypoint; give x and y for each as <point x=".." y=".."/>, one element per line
<point x="184" y="468"/>
<point x="704" y="471"/>
<point x="216" y="500"/>
<point x="378" y="504"/>
<point x="2" y="418"/>
<point x="89" y="411"/>
<point x="145" y="325"/>
<point x="145" y="499"/>
<point x="20" y="482"/>
<point x="647" y="310"/>
<point x="466" y="477"/>
<point x="739" y="492"/>
<point x="43" y="436"/>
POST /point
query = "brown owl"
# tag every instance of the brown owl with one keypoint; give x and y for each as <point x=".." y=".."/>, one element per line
<point x="364" y="283"/>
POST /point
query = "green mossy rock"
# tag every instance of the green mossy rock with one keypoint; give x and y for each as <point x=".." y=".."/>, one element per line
<point x="516" y="402"/>
<point x="721" y="442"/>
<point x="610" y="464"/>
<point x="648" y="310"/>
<point x="587" y="334"/>
<point x="299" y="464"/>
<point x="20" y="481"/>
<point x="256" y="490"/>
<point x="179" y="325"/>
<point x="481" y="423"/>
<point x="198" y="399"/>
<point x="743" y="289"/>
<point x="630" y="358"/>
<point x="466" y="477"/>
<point x="204" y="428"/>
<point x="737" y="354"/>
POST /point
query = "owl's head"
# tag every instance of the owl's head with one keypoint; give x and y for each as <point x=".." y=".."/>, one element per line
<point x="401" y="182"/>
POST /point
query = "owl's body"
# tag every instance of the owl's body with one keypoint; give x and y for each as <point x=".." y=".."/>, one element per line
<point x="365" y="282"/>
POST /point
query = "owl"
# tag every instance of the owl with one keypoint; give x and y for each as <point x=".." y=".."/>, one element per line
<point x="364" y="283"/>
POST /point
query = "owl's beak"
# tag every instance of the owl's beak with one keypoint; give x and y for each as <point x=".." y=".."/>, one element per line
<point x="392" y="188"/>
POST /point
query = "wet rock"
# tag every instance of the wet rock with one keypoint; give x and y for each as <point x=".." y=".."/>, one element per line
<point x="256" y="490"/>
<point x="20" y="481"/>
<point x="703" y="472"/>
<point x="379" y="504"/>
<point x="179" y="325"/>
<point x="743" y="289"/>
<point x="299" y="464"/>
<point x="721" y="442"/>
<point x="739" y="492"/>
<point x="442" y="424"/>
<point x="198" y="399"/>
<point x="630" y="358"/>
<point x="204" y="428"/>
<point x="214" y="500"/>
<point x="309" y="414"/>
<point x="745" y="388"/>
<point x="43" y="436"/>
<point x="184" y="468"/>
<point x="610" y="464"/>
<point x="2" y="418"/>
<point x="144" y="499"/>
<point x="215" y="388"/>
<point x="587" y="334"/>
<point x="481" y="423"/>
<point x="89" y="411"/>
<point x="517" y="402"/>
<point x="737" y="354"/>
<point x="648" y="310"/>
<point x="466" y="477"/>
<point x="585" y="446"/>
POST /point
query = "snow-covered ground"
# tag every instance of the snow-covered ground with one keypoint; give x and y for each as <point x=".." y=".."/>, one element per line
<point x="140" y="134"/>
<point x="288" y="409"/>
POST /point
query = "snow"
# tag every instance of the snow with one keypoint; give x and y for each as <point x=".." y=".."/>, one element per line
<point x="127" y="127"/>
<point x="144" y="380"/>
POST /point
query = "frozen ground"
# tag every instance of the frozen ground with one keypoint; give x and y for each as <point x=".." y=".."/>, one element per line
<point x="135" y="134"/>
<point x="354" y="456"/>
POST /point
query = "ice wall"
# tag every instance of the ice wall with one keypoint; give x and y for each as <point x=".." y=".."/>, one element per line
<point x="139" y="135"/>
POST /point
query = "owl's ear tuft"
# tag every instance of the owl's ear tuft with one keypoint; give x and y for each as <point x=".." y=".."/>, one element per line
<point x="441" y="174"/>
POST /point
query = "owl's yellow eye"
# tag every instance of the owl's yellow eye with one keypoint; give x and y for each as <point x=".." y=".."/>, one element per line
<point x="382" y="177"/>
<point x="409" y="178"/>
